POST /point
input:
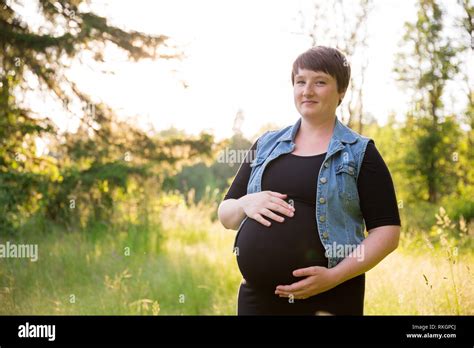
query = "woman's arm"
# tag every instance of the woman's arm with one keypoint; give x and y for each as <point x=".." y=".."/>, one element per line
<point x="380" y="242"/>
<point x="231" y="213"/>
<point x="380" y="213"/>
<point x="256" y="206"/>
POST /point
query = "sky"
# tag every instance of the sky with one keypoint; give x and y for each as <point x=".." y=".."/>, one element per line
<point x="239" y="55"/>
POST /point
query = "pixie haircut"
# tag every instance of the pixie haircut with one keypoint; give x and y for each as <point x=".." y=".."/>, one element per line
<point x="325" y="59"/>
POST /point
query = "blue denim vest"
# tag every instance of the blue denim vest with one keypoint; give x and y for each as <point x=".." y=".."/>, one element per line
<point x="338" y="215"/>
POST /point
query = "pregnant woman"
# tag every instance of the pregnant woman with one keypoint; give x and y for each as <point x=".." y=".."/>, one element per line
<point x="301" y="202"/>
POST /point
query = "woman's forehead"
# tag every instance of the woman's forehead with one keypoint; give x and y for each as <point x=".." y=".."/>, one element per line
<point x="311" y="73"/>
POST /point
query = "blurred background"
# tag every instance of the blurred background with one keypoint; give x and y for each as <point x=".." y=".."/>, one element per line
<point x="118" y="121"/>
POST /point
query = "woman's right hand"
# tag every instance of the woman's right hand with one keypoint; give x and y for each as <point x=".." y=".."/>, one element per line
<point x="265" y="203"/>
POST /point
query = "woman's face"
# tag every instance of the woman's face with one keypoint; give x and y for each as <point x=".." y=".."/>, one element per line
<point x="315" y="94"/>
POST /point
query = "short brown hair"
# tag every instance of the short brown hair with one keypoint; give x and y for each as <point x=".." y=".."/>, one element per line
<point x="325" y="59"/>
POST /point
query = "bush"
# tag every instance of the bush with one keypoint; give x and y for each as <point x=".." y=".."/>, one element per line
<point x="460" y="206"/>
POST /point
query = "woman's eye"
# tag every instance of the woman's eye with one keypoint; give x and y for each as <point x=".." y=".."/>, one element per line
<point x="299" y="82"/>
<point x="320" y="82"/>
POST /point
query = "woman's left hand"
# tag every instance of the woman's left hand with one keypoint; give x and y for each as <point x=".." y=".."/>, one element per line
<point x="318" y="279"/>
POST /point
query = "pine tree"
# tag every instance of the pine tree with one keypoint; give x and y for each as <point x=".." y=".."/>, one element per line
<point x="93" y="156"/>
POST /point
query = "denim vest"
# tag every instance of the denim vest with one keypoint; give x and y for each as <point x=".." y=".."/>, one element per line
<point x="338" y="215"/>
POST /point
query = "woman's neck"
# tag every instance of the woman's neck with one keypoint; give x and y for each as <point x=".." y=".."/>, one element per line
<point x="317" y="129"/>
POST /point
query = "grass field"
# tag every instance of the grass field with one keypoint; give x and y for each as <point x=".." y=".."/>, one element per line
<point x="185" y="266"/>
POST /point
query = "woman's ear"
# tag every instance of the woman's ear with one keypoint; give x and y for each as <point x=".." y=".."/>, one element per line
<point x="341" y="96"/>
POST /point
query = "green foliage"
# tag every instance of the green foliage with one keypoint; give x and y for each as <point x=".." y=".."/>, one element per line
<point x="431" y="152"/>
<point x="97" y="163"/>
<point x="409" y="174"/>
<point x="434" y="136"/>
<point x="202" y="178"/>
<point x="460" y="207"/>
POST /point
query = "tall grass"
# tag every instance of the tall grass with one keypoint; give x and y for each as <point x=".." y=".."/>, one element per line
<point x="181" y="263"/>
<point x="420" y="284"/>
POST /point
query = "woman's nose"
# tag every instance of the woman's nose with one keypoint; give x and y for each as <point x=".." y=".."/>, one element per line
<point x="308" y="92"/>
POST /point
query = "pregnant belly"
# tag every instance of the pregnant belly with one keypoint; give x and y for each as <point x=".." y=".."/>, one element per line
<point x="267" y="256"/>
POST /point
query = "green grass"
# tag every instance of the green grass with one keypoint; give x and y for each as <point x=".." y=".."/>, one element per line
<point x="174" y="268"/>
<point x="184" y="265"/>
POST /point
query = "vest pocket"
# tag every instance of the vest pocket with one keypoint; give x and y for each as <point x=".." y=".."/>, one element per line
<point x="346" y="181"/>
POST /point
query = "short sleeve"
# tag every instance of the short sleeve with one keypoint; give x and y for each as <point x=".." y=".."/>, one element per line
<point x="238" y="188"/>
<point x="378" y="201"/>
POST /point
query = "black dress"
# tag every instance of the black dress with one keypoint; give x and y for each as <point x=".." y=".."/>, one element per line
<point x="267" y="256"/>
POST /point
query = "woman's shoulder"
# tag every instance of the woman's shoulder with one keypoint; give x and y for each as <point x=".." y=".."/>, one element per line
<point x="276" y="134"/>
<point x="372" y="157"/>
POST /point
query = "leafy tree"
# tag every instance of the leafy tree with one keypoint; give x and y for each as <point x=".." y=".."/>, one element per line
<point x="104" y="153"/>
<point x="424" y="67"/>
